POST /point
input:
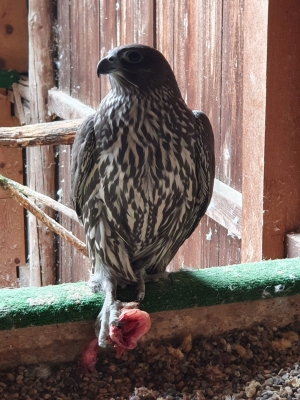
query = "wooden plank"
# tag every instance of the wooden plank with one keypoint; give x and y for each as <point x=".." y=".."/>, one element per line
<point x="12" y="243"/>
<point x="6" y="117"/>
<point x="254" y="109"/>
<point x="108" y="36"/>
<point x="18" y="104"/>
<point x="186" y="50"/>
<point x="59" y="132"/>
<point x="64" y="46"/>
<point x="64" y="78"/>
<point x="281" y="200"/>
<point x="73" y="266"/>
<point x="12" y="233"/>
<point x="230" y="125"/>
<point x="292" y="245"/>
<point x="24" y="91"/>
<point x="226" y="208"/>
<point x="165" y="30"/>
<point x="40" y="161"/>
<point x="63" y="193"/>
<point x="135" y="22"/>
<point x="13" y="35"/>
<point x="64" y="106"/>
<point x="197" y="66"/>
<point x="232" y="94"/>
<point x="84" y="25"/>
<point x="11" y="166"/>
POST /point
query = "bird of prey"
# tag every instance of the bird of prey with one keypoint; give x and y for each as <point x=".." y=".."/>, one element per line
<point x="142" y="175"/>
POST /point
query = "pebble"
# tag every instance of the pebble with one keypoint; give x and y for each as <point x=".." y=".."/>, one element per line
<point x="237" y="365"/>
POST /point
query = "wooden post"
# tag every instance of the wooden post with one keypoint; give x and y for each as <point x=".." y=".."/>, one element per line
<point x="13" y="55"/>
<point x="271" y="145"/>
<point x="254" y="110"/>
<point x="282" y="139"/>
<point x="40" y="160"/>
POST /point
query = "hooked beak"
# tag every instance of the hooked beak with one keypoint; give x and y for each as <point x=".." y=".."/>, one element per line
<point x="106" y="66"/>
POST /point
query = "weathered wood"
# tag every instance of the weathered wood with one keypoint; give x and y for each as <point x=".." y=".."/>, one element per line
<point x="13" y="35"/>
<point x="197" y="59"/>
<point x="26" y="191"/>
<point x="226" y="208"/>
<point x="12" y="241"/>
<point x="229" y="153"/>
<point x="59" y="132"/>
<point x="281" y="196"/>
<point x="254" y="110"/>
<point x="292" y="245"/>
<point x="23" y="90"/>
<point x="66" y="107"/>
<point x="12" y="233"/>
<point x="164" y="29"/>
<point x="135" y="22"/>
<point x="40" y="161"/>
<point x="18" y="104"/>
<point x="38" y="213"/>
<point x="85" y="43"/>
<point x="232" y="94"/>
<point x="108" y="36"/>
<point x="64" y="45"/>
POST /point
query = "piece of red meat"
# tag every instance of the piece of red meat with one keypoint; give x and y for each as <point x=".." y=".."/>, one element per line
<point x="89" y="356"/>
<point x="133" y="324"/>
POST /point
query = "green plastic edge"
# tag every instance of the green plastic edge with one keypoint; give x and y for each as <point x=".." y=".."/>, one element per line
<point x="71" y="302"/>
<point x="8" y="77"/>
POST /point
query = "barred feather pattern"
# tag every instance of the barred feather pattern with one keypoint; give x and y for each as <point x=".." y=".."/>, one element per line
<point x="146" y="183"/>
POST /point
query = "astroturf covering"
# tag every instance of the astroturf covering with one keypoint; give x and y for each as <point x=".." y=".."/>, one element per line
<point x="70" y="302"/>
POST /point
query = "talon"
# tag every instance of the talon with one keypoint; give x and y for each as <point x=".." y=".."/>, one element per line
<point x="140" y="297"/>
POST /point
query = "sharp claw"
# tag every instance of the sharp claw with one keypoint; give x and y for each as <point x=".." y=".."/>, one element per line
<point x="109" y="315"/>
<point x="140" y="297"/>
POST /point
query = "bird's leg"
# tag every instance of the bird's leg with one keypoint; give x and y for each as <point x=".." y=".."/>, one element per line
<point x="160" y="275"/>
<point x="141" y="285"/>
<point x="108" y="315"/>
<point x="142" y="278"/>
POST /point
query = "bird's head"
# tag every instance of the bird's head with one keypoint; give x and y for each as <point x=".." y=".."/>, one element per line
<point x="138" y="65"/>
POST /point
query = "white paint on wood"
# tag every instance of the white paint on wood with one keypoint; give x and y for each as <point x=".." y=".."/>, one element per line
<point x="64" y="106"/>
<point x="226" y="208"/>
<point x="292" y="245"/>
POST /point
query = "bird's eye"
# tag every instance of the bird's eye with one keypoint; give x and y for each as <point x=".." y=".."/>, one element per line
<point x="133" y="57"/>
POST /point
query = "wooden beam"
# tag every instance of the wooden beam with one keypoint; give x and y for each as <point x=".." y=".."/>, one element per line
<point x="254" y="109"/>
<point x="65" y="106"/>
<point x="54" y="133"/>
<point x="282" y="137"/>
<point x="292" y="245"/>
<point x="226" y="208"/>
<point x="40" y="160"/>
<point x="19" y="112"/>
<point x="50" y="223"/>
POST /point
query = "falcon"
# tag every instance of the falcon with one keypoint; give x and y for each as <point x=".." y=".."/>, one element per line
<point x="141" y="177"/>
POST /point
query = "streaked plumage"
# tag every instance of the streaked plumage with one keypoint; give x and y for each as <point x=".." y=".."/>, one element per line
<point x="142" y="172"/>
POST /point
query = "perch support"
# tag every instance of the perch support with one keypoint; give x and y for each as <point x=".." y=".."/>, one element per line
<point x="19" y="193"/>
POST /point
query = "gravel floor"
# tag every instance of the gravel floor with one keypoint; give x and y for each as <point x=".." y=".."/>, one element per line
<point x="258" y="363"/>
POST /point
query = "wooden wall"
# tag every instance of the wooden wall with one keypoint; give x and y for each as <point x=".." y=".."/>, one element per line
<point x="203" y="41"/>
<point x="13" y="55"/>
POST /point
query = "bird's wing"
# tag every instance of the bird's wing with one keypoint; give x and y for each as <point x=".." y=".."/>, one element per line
<point x="82" y="161"/>
<point x="205" y="168"/>
<point x="205" y="171"/>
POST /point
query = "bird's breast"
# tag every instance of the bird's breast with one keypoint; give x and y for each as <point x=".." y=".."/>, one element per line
<point x="146" y="169"/>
